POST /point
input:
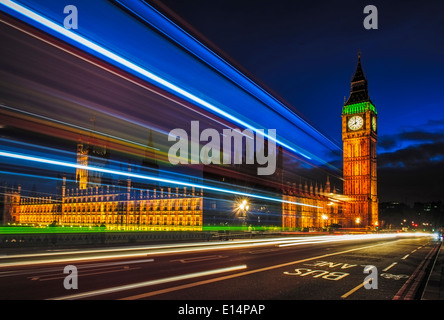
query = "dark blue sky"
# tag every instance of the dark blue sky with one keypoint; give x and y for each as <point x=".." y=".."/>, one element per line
<point x="306" y="52"/>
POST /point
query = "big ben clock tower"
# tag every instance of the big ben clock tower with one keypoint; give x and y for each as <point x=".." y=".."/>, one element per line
<point x="359" y="136"/>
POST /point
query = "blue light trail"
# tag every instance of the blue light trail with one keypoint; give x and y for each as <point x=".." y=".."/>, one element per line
<point x="141" y="71"/>
<point x="142" y="177"/>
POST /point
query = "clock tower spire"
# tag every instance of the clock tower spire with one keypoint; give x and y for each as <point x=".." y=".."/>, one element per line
<point x="359" y="136"/>
<point x="359" y="86"/>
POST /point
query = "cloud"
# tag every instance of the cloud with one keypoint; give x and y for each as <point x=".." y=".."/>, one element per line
<point x="413" y="156"/>
<point x="387" y="142"/>
<point x="435" y="123"/>
<point x="405" y="138"/>
<point x="413" y="167"/>
<point x="422" y="136"/>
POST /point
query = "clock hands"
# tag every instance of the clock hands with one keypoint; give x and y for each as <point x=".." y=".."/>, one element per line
<point x="355" y="123"/>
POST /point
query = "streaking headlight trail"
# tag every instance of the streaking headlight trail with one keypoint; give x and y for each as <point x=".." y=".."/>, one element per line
<point x="139" y="176"/>
<point x="139" y="70"/>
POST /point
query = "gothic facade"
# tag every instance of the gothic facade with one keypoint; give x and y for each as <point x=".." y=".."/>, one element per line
<point x="359" y="136"/>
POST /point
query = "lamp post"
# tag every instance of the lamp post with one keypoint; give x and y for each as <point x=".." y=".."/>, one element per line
<point x="243" y="207"/>
<point x="324" y="218"/>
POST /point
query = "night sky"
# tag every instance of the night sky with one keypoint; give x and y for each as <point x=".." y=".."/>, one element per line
<point x="306" y="53"/>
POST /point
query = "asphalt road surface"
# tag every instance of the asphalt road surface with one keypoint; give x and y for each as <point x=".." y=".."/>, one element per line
<point x="299" y="268"/>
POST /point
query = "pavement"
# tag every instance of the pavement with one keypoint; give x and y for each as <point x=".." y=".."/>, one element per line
<point x="434" y="289"/>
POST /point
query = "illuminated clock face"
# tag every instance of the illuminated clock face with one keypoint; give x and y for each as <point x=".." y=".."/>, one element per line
<point x="355" y="123"/>
<point x="374" y="123"/>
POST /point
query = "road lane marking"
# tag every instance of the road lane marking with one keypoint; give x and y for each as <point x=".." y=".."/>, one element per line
<point x="148" y="283"/>
<point x="410" y="286"/>
<point x="405" y="257"/>
<point x="390" y="266"/>
<point x="84" y="266"/>
<point x="345" y="295"/>
<point x="261" y="251"/>
<point x="393" y="276"/>
<point x="240" y="274"/>
<point x="57" y="276"/>
<point x="198" y="259"/>
<point x="329" y="275"/>
<point x="125" y="268"/>
<point x="95" y="265"/>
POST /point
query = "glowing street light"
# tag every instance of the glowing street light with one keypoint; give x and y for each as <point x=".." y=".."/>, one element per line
<point x="244" y="205"/>
<point x="241" y="208"/>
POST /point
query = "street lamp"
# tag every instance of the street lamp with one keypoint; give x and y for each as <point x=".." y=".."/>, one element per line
<point x="325" y="218"/>
<point x="244" y="205"/>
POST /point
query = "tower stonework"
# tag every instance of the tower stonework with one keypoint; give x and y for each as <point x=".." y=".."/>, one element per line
<point x="82" y="159"/>
<point x="359" y="136"/>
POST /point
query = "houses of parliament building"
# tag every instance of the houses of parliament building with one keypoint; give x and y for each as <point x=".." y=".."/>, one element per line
<point x="88" y="199"/>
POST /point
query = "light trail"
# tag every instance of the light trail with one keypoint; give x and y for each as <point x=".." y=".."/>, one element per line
<point x="144" y="251"/>
<point x="142" y="177"/>
<point x="162" y="246"/>
<point x="63" y="123"/>
<point x="344" y="238"/>
<point x="34" y="272"/>
<point x="150" y="283"/>
<point x="170" y="29"/>
<point x="361" y="237"/>
<point x="67" y="260"/>
<point x="235" y="275"/>
<point x="127" y="78"/>
<point x="136" y="68"/>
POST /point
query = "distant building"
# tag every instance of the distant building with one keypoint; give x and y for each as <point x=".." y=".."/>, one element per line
<point x="311" y="208"/>
<point x="429" y="213"/>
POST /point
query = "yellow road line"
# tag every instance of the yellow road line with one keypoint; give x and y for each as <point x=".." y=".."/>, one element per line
<point x="356" y="288"/>
<point x="231" y="276"/>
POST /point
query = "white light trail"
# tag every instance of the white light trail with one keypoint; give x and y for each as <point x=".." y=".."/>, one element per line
<point x="144" y="251"/>
<point x="45" y="258"/>
<point x="149" y="283"/>
<point x="360" y="237"/>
